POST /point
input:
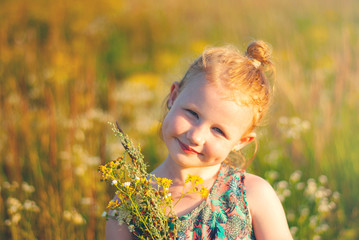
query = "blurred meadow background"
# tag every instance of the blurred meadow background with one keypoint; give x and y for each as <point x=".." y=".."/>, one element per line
<point x="69" y="67"/>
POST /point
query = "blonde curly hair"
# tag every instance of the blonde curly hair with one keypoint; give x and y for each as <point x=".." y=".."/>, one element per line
<point x="243" y="75"/>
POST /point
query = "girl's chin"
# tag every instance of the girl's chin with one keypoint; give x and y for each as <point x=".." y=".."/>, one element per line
<point x="189" y="162"/>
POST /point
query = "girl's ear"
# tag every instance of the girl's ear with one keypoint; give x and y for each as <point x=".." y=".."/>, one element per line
<point x="244" y="141"/>
<point x="173" y="94"/>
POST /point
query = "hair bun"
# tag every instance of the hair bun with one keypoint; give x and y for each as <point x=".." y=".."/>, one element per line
<point x="260" y="51"/>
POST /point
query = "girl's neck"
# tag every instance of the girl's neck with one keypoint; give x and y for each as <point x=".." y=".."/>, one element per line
<point x="171" y="170"/>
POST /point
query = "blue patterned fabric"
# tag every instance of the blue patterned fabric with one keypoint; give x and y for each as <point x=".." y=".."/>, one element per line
<point x="224" y="214"/>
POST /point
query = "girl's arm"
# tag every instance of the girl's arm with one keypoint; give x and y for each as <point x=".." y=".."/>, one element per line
<point x="268" y="217"/>
<point x="117" y="232"/>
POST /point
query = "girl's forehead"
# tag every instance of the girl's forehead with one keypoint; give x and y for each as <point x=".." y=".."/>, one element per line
<point x="199" y="82"/>
<point x="199" y="86"/>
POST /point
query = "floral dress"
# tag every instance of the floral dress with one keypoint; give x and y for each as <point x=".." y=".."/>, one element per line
<point x="224" y="214"/>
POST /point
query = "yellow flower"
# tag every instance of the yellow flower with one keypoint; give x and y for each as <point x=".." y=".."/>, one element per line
<point x="165" y="182"/>
<point x="113" y="204"/>
<point x="198" y="180"/>
<point x="189" y="178"/>
<point x="194" y="178"/>
<point x="204" y="192"/>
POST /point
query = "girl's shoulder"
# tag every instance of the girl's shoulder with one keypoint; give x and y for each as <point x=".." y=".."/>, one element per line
<point x="259" y="192"/>
<point x="266" y="210"/>
<point x="256" y="183"/>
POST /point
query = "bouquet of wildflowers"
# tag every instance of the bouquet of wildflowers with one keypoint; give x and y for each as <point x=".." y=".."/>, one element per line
<point x="143" y="201"/>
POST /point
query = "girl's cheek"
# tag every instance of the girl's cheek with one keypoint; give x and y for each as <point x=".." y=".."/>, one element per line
<point x="217" y="150"/>
<point x="179" y="122"/>
<point x="175" y="123"/>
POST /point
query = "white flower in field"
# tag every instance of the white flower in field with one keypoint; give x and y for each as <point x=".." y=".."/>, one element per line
<point x="300" y="185"/>
<point x="281" y="197"/>
<point x="304" y="212"/>
<point x="324" y="206"/>
<point x="332" y="205"/>
<point x="15" y="218"/>
<point x="272" y="175"/>
<point x="77" y="218"/>
<point x="282" y="184"/>
<point x="295" y="121"/>
<point x="313" y="221"/>
<point x="168" y="195"/>
<point x="286" y="193"/>
<point x="137" y="179"/>
<point x="295" y="176"/>
<point x="86" y="123"/>
<point x="93" y="161"/>
<point x="86" y="201"/>
<point x="293" y="230"/>
<point x="320" y="193"/>
<point x="311" y="187"/>
<point x="80" y="170"/>
<point x="273" y="156"/>
<point x="305" y="125"/>
<point x="322" y="228"/>
<point x="114" y="182"/>
<point x="126" y="184"/>
<point x="290" y="216"/>
<point x="7" y="222"/>
<point x="31" y="206"/>
<point x="336" y="196"/>
<point x="14" y="205"/>
<point x="74" y="216"/>
<point x="316" y="237"/>
<point x="283" y="120"/>
<point x="323" y="179"/>
<point x="328" y="192"/>
<point x="311" y="181"/>
<point x="67" y="215"/>
<point x="293" y="127"/>
<point x="291" y="133"/>
<point x="27" y="187"/>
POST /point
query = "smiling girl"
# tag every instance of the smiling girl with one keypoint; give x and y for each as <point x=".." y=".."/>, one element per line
<point x="212" y="112"/>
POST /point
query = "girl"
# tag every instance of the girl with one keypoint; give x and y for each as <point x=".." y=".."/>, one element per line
<point x="212" y="112"/>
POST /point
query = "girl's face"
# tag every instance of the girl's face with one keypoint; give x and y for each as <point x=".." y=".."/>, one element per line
<point x="202" y="127"/>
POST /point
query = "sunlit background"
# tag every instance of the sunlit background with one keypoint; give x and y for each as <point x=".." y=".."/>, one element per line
<point x="69" y="67"/>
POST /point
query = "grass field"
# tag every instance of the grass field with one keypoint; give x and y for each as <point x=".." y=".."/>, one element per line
<point x="69" y="67"/>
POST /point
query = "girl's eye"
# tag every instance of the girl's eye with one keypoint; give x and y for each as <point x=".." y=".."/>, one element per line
<point x="192" y="113"/>
<point x="219" y="131"/>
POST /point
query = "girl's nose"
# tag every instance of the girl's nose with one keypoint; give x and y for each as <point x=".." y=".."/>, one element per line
<point x="196" y="135"/>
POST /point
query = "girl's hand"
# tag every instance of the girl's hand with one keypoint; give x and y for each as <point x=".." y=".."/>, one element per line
<point x="117" y="232"/>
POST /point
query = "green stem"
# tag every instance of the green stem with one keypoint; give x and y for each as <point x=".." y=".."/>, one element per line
<point x="183" y="194"/>
<point x="140" y="215"/>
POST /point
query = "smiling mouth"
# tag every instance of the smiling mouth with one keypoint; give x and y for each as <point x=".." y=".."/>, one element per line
<point x="187" y="149"/>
